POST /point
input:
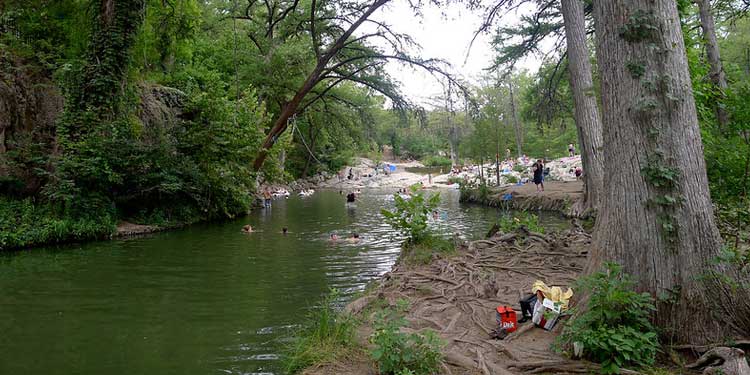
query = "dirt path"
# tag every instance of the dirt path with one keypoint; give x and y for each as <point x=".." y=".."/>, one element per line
<point x="457" y="297"/>
<point x="557" y="196"/>
<point x="572" y="190"/>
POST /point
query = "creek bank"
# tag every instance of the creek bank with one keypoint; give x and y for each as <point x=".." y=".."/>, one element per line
<point x="557" y="196"/>
<point x="456" y="296"/>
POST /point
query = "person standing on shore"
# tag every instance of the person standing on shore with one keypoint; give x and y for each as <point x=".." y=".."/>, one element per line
<point x="538" y="168"/>
<point x="571" y="150"/>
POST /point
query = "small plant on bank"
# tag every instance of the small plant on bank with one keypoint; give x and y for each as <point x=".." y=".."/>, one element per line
<point x="615" y="330"/>
<point x="410" y="215"/>
<point x="528" y="220"/>
<point x="511" y="179"/>
<point x="326" y="334"/>
<point x="399" y="353"/>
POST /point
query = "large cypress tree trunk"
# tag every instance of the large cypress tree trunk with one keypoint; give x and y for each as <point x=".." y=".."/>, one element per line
<point x="718" y="78"/>
<point x="656" y="218"/>
<point x="588" y="122"/>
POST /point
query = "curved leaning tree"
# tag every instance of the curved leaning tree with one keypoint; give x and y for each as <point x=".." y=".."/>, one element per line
<point x="346" y="43"/>
<point x="656" y="218"/>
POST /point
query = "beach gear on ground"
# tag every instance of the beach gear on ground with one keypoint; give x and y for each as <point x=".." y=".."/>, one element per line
<point x="506" y="318"/>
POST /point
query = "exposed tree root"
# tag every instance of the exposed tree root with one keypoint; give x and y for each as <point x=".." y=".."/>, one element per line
<point x="722" y="360"/>
<point x="457" y="296"/>
<point x="562" y="367"/>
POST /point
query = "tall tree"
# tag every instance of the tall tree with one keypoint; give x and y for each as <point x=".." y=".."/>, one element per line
<point x="716" y="74"/>
<point x="656" y="217"/>
<point x="588" y="122"/>
<point x="514" y="118"/>
<point x="339" y="54"/>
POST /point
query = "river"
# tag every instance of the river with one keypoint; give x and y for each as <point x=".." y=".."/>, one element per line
<point x="206" y="299"/>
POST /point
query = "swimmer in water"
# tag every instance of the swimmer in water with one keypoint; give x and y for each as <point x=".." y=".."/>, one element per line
<point x="247" y="229"/>
<point x="354" y="238"/>
<point x="333" y="237"/>
<point x="284" y="230"/>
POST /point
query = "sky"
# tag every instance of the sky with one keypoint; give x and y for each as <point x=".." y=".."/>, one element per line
<point x="443" y="33"/>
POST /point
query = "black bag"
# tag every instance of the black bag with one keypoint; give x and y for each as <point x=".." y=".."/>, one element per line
<point x="527" y="307"/>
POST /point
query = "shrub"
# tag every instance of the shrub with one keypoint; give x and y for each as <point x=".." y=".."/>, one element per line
<point x="423" y="252"/>
<point x="511" y="179"/>
<point x="410" y="215"/>
<point x="521" y="219"/>
<point x="519" y="168"/>
<point x="615" y="330"/>
<point x="326" y="334"/>
<point x="25" y="223"/>
<point x="400" y="353"/>
<point x="437" y="161"/>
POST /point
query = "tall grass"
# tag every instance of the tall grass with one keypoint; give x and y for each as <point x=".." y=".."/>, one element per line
<point x="325" y="335"/>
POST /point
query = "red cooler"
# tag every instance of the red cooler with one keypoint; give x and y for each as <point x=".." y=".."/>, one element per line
<point x="506" y="318"/>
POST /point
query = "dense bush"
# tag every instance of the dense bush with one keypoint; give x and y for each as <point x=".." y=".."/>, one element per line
<point x="399" y="353"/>
<point x="25" y="223"/>
<point x="615" y="329"/>
<point x="437" y="161"/>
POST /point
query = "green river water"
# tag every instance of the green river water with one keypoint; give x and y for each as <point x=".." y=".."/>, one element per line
<point x="206" y="299"/>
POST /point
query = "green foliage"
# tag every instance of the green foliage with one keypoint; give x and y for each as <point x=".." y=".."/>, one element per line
<point x="425" y="251"/>
<point x="641" y="26"/>
<point x="25" y="223"/>
<point x="437" y="161"/>
<point x="523" y="219"/>
<point x="636" y="69"/>
<point x="615" y="329"/>
<point x="326" y="334"/>
<point x="410" y="215"/>
<point x="659" y="175"/>
<point x="510" y="179"/>
<point x="401" y="353"/>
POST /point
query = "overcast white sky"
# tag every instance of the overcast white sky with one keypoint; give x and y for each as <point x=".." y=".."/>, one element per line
<point x="443" y="33"/>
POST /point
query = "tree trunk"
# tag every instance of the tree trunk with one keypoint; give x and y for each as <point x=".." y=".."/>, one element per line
<point x="290" y="107"/>
<point x="717" y="75"/>
<point x="311" y="136"/>
<point x="656" y="218"/>
<point x="588" y="122"/>
<point x="516" y="124"/>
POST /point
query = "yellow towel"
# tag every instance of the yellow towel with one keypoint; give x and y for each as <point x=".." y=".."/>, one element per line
<point x="554" y="293"/>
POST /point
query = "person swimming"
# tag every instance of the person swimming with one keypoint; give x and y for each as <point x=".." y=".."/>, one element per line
<point x="354" y="238"/>
<point x="333" y="237"/>
<point x="351" y="197"/>
<point x="247" y="229"/>
<point x="284" y="230"/>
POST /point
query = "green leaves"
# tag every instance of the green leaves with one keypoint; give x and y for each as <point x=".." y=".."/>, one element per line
<point x="399" y="353"/>
<point x="522" y="219"/>
<point x="410" y="215"/>
<point x="615" y="330"/>
<point x="641" y="26"/>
